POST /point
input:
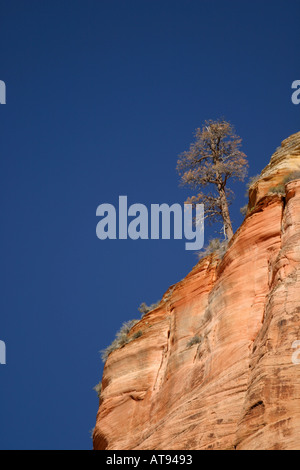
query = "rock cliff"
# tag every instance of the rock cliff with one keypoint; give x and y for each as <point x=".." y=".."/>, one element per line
<point x="236" y="387"/>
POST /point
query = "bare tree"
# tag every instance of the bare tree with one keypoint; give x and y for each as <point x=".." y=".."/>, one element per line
<point x="212" y="159"/>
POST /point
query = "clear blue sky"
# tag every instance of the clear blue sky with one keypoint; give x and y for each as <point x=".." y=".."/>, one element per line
<point x="101" y="98"/>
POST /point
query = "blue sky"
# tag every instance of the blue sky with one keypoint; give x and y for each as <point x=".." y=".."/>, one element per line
<point x="102" y="96"/>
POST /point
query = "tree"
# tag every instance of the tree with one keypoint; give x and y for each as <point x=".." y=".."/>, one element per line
<point x="211" y="161"/>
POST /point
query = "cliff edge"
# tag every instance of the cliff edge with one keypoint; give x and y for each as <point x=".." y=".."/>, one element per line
<point x="236" y="387"/>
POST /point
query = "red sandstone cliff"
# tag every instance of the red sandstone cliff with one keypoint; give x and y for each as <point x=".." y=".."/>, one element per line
<point x="238" y="387"/>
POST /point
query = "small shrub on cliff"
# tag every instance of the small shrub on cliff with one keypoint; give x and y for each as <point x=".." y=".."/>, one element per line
<point x="122" y="335"/>
<point x="168" y="294"/>
<point x="122" y="338"/>
<point x="98" y="389"/>
<point x="144" y="308"/>
<point x="195" y="340"/>
<point x="279" y="189"/>
<point x="244" y="210"/>
<point x="292" y="177"/>
<point x="250" y="183"/>
<point x="137" y="334"/>
<point x="215" y="246"/>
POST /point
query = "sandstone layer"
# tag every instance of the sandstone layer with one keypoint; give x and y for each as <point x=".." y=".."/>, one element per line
<point x="237" y="386"/>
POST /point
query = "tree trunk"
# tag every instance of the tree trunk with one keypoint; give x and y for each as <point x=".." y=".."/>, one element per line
<point x="225" y="214"/>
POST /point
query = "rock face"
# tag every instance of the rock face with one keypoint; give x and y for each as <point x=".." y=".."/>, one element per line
<point x="237" y="386"/>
